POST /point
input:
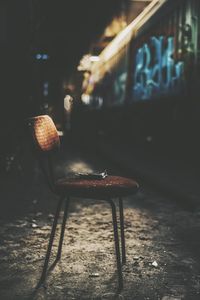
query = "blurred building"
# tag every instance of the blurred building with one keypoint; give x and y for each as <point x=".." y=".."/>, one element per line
<point x="145" y="82"/>
<point x="130" y="9"/>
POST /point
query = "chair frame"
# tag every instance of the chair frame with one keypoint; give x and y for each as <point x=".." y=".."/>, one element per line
<point x="44" y="153"/>
<point x="116" y="238"/>
<point x="120" y="248"/>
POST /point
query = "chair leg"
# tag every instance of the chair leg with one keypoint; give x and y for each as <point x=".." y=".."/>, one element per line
<point x="117" y="248"/>
<point x="63" y="228"/>
<point x="123" y="245"/>
<point x="44" y="271"/>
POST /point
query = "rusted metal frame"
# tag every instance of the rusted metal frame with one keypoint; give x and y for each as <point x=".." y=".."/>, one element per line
<point x="116" y="237"/>
<point x="51" y="239"/>
<point x="117" y="245"/>
<point x="67" y="202"/>
<point x="123" y="245"/>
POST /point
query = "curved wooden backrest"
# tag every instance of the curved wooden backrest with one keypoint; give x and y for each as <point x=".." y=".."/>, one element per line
<point x="44" y="133"/>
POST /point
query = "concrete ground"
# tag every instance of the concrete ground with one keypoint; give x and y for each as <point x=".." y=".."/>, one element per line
<point x="162" y="240"/>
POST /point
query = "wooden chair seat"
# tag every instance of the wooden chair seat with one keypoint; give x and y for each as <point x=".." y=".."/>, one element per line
<point x="109" y="187"/>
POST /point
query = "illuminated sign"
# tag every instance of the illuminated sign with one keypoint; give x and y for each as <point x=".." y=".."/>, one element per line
<point x="156" y="72"/>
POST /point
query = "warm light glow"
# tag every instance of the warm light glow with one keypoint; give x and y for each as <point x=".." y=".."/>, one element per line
<point x="122" y="39"/>
<point x="117" y="25"/>
<point x="79" y="167"/>
<point x="85" y="63"/>
<point x="94" y="58"/>
<point x="68" y="102"/>
<point x="85" y="99"/>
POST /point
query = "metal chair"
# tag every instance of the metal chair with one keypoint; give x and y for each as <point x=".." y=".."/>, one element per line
<point x="46" y="141"/>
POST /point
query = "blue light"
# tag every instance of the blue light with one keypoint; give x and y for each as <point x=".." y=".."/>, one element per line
<point x="156" y="71"/>
<point x="45" y="56"/>
<point x="38" y="56"/>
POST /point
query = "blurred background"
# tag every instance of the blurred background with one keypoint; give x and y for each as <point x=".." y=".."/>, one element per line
<point x="122" y="74"/>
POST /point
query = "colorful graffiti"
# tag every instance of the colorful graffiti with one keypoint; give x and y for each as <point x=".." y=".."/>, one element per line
<point x="156" y="72"/>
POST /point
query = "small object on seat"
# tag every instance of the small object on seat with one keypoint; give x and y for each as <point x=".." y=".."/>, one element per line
<point x="92" y="175"/>
<point x="91" y="185"/>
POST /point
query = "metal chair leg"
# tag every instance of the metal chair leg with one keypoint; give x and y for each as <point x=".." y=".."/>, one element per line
<point x="123" y="245"/>
<point x="117" y="248"/>
<point x="63" y="229"/>
<point x="44" y="271"/>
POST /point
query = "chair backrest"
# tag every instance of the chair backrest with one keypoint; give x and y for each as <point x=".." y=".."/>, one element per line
<point x="44" y="133"/>
<point x="46" y="140"/>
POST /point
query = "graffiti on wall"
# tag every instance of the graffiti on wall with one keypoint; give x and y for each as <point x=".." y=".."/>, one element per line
<point x="156" y="72"/>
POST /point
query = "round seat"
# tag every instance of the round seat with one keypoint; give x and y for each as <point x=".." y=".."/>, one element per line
<point x="109" y="187"/>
